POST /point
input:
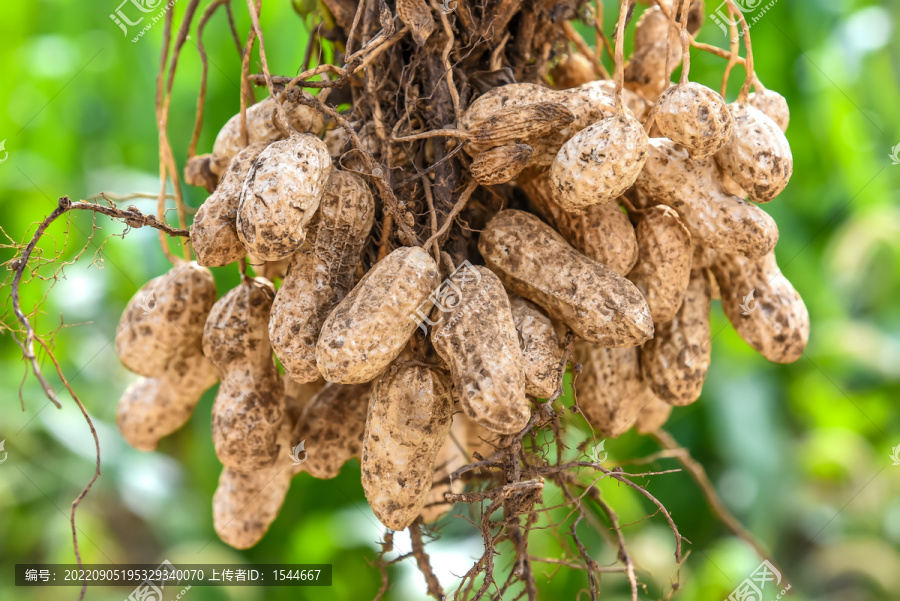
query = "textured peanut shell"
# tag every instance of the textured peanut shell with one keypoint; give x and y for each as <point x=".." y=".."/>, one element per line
<point x="599" y="163"/>
<point x="773" y="105"/>
<point x="572" y="71"/>
<point x="537" y="263"/>
<point x="213" y="234"/>
<point x="260" y="129"/>
<point x="758" y="157"/>
<point x="369" y="328"/>
<point x="514" y="124"/>
<point x="249" y="407"/>
<point x="664" y="268"/>
<point x="479" y="342"/>
<point x="601" y="232"/>
<point x="152" y="408"/>
<point x="541" y="349"/>
<point x="653" y="415"/>
<point x="500" y="164"/>
<point x="609" y="388"/>
<point x="168" y="312"/>
<point x="246" y="503"/>
<point x="332" y="425"/>
<point x="321" y="274"/>
<point x="417" y="15"/>
<point x="721" y="221"/>
<point x="695" y="117"/>
<point x="676" y="361"/>
<point x="280" y="196"/>
<point x="778" y="323"/>
<point x="588" y="103"/>
<point x="408" y="421"/>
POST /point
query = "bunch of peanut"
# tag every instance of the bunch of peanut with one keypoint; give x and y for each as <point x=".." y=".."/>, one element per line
<point x="413" y="364"/>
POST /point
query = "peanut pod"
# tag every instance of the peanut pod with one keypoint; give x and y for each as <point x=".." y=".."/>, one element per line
<point x="369" y="328"/>
<point x="763" y="306"/>
<point x="676" y="361"/>
<point x="758" y="157"/>
<point x="249" y="408"/>
<point x="408" y="421"/>
<point x="261" y="128"/>
<point x="609" y="390"/>
<point x="478" y="341"/>
<point x="167" y="313"/>
<point x="601" y="232"/>
<point x="280" y="196"/>
<point x="331" y="428"/>
<point x="541" y="349"/>
<point x="152" y="408"/>
<point x="715" y="218"/>
<point x="535" y="262"/>
<point x="664" y="268"/>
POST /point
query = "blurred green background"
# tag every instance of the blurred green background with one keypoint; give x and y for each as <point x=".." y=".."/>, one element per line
<point x="800" y="453"/>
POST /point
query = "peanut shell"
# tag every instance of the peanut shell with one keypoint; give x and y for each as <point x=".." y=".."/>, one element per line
<point x="479" y="342"/>
<point x="280" y="196"/>
<point x="417" y="15"/>
<point x="609" y="390"/>
<point x="715" y="218"/>
<point x="152" y="408"/>
<point x="599" y="163"/>
<point x="167" y="313"/>
<point x="653" y="415"/>
<point x="246" y="503"/>
<point x="261" y="129"/>
<point x="321" y="274"/>
<point x="664" y="268"/>
<point x="600" y="232"/>
<point x="695" y="117"/>
<point x="537" y="263"/>
<point x="763" y="306"/>
<point x="758" y="157"/>
<point x="369" y="328"/>
<point x="500" y="164"/>
<point x="332" y="426"/>
<point x="249" y="407"/>
<point x="519" y="123"/>
<point x="773" y="105"/>
<point x="572" y="71"/>
<point x="541" y="349"/>
<point x="675" y="363"/>
<point x="408" y="421"/>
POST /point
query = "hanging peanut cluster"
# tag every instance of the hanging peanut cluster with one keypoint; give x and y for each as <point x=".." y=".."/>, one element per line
<point x="418" y="319"/>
